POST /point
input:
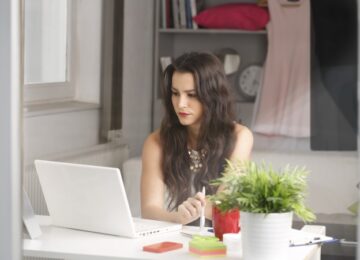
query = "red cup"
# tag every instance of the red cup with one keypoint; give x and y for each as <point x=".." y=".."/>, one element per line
<point x="225" y="222"/>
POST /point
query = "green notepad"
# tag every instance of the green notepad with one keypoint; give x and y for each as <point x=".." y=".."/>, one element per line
<point x="206" y="243"/>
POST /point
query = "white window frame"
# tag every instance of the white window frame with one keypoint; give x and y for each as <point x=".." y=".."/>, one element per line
<point x="56" y="91"/>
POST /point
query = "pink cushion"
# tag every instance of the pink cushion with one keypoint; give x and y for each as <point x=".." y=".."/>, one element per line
<point x="233" y="16"/>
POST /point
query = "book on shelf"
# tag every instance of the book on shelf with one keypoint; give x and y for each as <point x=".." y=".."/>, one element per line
<point x="163" y="14"/>
<point x="182" y="11"/>
<point x="193" y="13"/>
<point x="178" y="14"/>
<point x="188" y="14"/>
<point x="175" y="14"/>
<point x="166" y="14"/>
<point x="169" y="22"/>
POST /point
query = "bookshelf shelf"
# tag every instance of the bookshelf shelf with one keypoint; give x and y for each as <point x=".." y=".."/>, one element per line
<point x="209" y="31"/>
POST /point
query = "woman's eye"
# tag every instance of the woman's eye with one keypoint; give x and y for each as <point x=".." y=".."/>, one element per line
<point x="192" y="95"/>
<point x="174" y="93"/>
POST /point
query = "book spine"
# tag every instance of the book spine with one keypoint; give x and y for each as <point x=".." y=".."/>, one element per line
<point x="188" y="14"/>
<point x="169" y="22"/>
<point x="193" y="13"/>
<point x="182" y="11"/>
<point x="163" y="13"/>
<point x="175" y="8"/>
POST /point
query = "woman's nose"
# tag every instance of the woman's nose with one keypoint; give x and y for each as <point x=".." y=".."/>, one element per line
<point x="182" y="101"/>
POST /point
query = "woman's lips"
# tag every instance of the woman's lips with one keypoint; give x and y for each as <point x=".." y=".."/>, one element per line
<point x="183" y="114"/>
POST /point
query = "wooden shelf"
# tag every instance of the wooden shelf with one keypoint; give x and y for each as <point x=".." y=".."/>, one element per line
<point x="209" y="31"/>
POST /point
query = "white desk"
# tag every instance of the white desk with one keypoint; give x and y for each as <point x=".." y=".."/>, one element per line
<point x="56" y="242"/>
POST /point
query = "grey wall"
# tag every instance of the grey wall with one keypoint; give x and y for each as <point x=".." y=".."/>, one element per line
<point x="137" y="74"/>
<point x="87" y="61"/>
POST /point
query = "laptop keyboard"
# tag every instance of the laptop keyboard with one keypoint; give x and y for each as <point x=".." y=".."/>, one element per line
<point x="139" y="227"/>
<point x="142" y="225"/>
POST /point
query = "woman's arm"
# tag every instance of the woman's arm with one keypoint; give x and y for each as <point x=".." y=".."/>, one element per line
<point x="152" y="184"/>
<point x="153" y="188"/>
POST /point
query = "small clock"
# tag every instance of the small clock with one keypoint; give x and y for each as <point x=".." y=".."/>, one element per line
<point x="249" y="82"/>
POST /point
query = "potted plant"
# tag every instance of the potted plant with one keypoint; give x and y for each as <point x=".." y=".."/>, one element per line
<point x="225" y="211"/>
<point x="267" y="199"/>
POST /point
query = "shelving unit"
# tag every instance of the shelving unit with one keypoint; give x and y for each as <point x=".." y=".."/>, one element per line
<point x="170" y="42"/>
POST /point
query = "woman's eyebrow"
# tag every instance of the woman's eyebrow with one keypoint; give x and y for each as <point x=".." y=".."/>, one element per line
<point x="186" y="91"/>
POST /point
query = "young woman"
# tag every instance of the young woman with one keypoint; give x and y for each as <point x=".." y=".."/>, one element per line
<point x="197" y="134"/>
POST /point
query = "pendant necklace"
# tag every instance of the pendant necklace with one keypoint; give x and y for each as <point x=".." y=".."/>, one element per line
<point x="196" y="159"/>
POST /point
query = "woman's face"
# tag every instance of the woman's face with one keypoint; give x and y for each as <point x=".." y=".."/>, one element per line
<point x="184" y="99"/>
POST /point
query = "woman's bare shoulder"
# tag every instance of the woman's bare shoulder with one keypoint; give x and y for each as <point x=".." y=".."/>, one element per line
<point x="154" y="136"/>
<point x="153" y="141"/>
<point x="242" y="131"/>
<point x="243" y="144"/>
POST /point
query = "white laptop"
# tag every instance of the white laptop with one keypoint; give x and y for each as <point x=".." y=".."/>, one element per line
<point x="92" y="198"/>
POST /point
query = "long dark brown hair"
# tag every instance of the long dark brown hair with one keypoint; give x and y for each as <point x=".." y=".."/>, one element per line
<point x="216" y="132"/>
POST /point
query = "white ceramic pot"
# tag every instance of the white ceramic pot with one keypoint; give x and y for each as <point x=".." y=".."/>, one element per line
<point x="265" y="236"/>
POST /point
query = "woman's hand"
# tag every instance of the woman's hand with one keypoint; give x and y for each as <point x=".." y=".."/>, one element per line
<point x="190" y="209"/>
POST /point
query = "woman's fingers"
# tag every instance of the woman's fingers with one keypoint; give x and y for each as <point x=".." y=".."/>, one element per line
<point x="190" y="209"/>
<point x="193" y="206"/>
<point x="184" y="212"/>
<point x="196" y="204"/>
<point x="201" y="197"/>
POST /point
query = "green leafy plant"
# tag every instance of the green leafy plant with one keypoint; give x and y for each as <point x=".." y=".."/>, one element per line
<point x="258" y="188"/>
<point x="226" y="199"/>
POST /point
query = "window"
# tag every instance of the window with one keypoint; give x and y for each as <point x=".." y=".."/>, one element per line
<point x="47" y="50"/>
<point x="60" y="64"/>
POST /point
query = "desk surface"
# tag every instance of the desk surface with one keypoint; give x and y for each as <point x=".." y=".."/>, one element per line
<point x="56" y="242"/>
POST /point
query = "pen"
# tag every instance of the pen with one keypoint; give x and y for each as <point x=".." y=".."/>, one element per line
<point x="315" y="240"/>
<point x="202" y="216"/>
